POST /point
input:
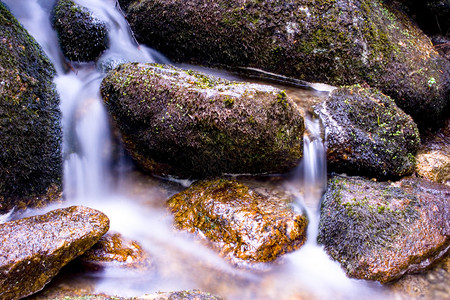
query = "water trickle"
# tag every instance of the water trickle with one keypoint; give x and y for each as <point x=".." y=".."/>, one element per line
<point x="136" y="206"/>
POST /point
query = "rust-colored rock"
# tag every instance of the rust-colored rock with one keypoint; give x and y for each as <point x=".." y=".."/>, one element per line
<point x="380" y="230"/>
<point x="114" y="250"/>
<point x="243" y="223"/>
<point x="34" y="249"/>
<point x="433" y="158"/>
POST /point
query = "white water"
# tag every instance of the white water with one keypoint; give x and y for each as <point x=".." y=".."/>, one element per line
<point x="179" y="262"/>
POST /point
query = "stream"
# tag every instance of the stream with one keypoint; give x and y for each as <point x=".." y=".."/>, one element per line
<point x="98" y="175"/>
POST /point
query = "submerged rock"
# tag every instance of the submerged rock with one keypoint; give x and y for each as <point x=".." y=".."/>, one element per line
<point x="30" y="129"/>
<point x="34" y="249"/>
<point x="244" y="223"/>
<point x="367" y="134"/>
<point x="380" y="230"/>
<point x="334" y="42"/>
<point x="114" y="250"/>
<point x="433" y="158"/>
<point x="82" y="35"/>
<point x="186" y="123"/>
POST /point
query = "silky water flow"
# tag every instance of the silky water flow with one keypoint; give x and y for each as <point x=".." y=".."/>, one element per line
<point x="177" y="261"/>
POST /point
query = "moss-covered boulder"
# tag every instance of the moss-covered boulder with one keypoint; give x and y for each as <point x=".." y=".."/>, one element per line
<point x="34" y="249"/>
<point x="114" y="250"/>
<point x="433" y="157"/>
<point x="188" y="124"/>
<point x="334" y="42"/>
<point x="380" y="230"/>
<point x="82" y="35"/>
<point x="244" y="223"/>
<point x="367" y="134"/>
<point x="30" y="129"/>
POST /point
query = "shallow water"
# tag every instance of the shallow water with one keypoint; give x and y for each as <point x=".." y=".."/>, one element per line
<point x="134" y="202"/>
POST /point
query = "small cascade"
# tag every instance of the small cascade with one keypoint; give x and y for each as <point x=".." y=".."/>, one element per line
<point x="181" y="263"/>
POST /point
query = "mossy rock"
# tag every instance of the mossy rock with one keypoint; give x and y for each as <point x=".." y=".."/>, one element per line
<point x="333" y="42"/>
<point x="244" y="224"/>
<point x="367" y="134"/>
<point x="380" y="230"/>
<point x="34" y="249"/>
<point x="83" y="36"/>
<point x="30" y="129"/>
<point x="189" y="124"/>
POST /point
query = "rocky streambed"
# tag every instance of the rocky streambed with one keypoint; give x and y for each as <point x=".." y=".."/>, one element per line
<point x="208" y="193"/>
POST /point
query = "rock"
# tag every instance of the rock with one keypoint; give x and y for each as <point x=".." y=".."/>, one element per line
<point x="245" y="224"/>
<point x="433" y="158"/>
<point x="82" y="35"/>
<point x="182" y="295"/>
<point x="34" y="249"/>
<point x="380" y="230"/>
<point x="333" y="42"/>
<point x="114" y="250"/>
<point x="30" y="129"/>
<point x="429" y="285"/>
<point x="188" y="124"/>
<point x="367" y="134"/>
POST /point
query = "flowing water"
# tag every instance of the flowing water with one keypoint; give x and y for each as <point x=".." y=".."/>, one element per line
<point x="135" y="202"/>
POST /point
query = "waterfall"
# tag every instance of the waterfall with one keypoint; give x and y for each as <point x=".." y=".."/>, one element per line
<point x="183" y="263"/>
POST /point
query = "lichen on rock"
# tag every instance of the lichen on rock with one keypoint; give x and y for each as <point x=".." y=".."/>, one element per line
<point x="381" y="230"/>
<point x="30" y="129"/>
<point x="242" y="223"/>
<point x="366" y="134"/>
<point x="83" y="36"/>
<point x="189" y="124"/>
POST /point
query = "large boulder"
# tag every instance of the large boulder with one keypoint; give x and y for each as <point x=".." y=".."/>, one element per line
<point x="380" y="230"/>
<point x="334" y="42"/>
<point x="246" y="224"/>
<point x="367" y="134"/>
<point x="82" y="35"/>
<point x="189" y="124"/>
<point x="30" y="129"/>
<point x="34" y="249"/>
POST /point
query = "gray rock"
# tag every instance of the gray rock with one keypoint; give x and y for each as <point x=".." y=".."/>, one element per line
<point x="335" y="42"/>
<point x="189" y="124"/>
<point x="367" y="134"/>
<point x="245" y="223"/>
<point x="34" y="249"/>
<point x="30" y="129"/>
<point x="380" y="230"/>
<point x="82" y="35"/>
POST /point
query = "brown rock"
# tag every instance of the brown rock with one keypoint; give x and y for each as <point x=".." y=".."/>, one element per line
<point x="242" y="222"/>
<point x="113" y="249"/>
<point x="433" y="158"/>
<point x="34" y="249"/>
<point x="380" y="230"/>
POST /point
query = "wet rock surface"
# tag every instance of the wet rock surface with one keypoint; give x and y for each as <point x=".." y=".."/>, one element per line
<point x="188" y="124"/>
<point x="114" y="250"/>
<point x="429" y="285"/>
<point x="243" y="223"/>
<point x="380" y="230"/>
<point x="334" y="42"/>
<point x="433" y="158"/>
<point x="189" y="295"/>
<point x="30" y="129"/>
<point x="367" y="134"/>
<point x="34" y="249"/>
<point x="82" y="35"/>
